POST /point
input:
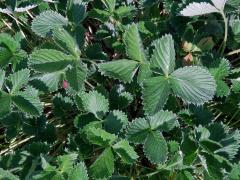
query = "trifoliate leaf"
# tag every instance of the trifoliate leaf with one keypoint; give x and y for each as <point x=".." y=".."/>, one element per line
<point x="28" y="101"/>
<point x="76" y="76"/>
<point x="155" y="94"/>
<point x="133" y="42"/>
<point x="95" y="103"/>
<point x="115" y="121"/>
<point x="196" y="9"/>
<point x="193" y="84"/>
<point x="99" y="137"/>
<point x="125" y="151"/>
<point x="5" y="100"/>
<point x="18" y="79"/>
<point x="163" y="57"/>
<point x="47" y="21"/>
<point x="163" y="121"/>
<point x="103" y="167"/>
<point x="79" y="171"/>
<point x="155" y="147"/>
<point x="137" y="130"/>
<point x="49" y="60"/>
<point x="124" y="70"/>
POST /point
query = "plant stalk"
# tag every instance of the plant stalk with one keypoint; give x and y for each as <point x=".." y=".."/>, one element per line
<point x="224" y="43"/>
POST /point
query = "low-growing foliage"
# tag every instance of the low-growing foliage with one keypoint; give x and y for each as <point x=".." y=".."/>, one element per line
<point x="112" y="89"/>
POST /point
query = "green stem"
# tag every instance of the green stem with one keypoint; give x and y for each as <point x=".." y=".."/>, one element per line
<point x="223" y="46"/>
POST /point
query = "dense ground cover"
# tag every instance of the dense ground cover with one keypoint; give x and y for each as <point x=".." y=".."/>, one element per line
<point x="113" y="89"/>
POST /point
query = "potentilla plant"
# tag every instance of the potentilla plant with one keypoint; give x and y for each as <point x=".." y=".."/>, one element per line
<point x="116" y="89"/>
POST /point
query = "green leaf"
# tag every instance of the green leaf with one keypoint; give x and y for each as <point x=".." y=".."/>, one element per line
<point x="5" y="56"/>
<point x="155" y="148"/>
<point x="144" y="72"/>
<point x="95" y="103"/>
<point x="163" y="121"/>
<point x="77" y="11"/>
<point x="28" y="101"/>
<point x="193" y="84"/>
<point x="235" y="25"/>
<point x="124" y="70"/>
<point x="49" y="60"/>
<point x="9" y="42"/>
<point x="222" y="89"/>
<point x="231" y="145"/>
<point x="124" y="11"/>
<point x="184" y="175"/>
<point x="66" y="161"/>
<point x="115" y="121"/>
<point x="12" y="4"/>
<point x="220" y="69"/>
<point x="79" y="171"/>
<point x="49" y="172"/>
<point x="120" y="99"/>
<point x="5" y="100"/>
<point x="103" y="167"/>
<point x="100" y="15"/>
<point x="133" y="42"/>
<point x="137" y="130"/>
<point x="99" y="137"/>
<point x="163" y="57"/>
<point x="76" y="76"/>
<point x="235" y="172"/>
<point x="51" y="80"/>
<point x="125" y="151"/>
<point x="173" y="146"/>
<point x="18" y="79"/>
<point x="66" y="41"/>
<point x="62" y="105"/>
<point x="110" y="4"/>
<point x="2" y="78"/>
<point x="236" y="85"/>
<point x="155" y="94"/>
<point x="47" y="21"/>
<point x="7" y="175"/>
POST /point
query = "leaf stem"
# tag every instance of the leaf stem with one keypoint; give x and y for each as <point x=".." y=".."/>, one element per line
<point x="223" y="46"/>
